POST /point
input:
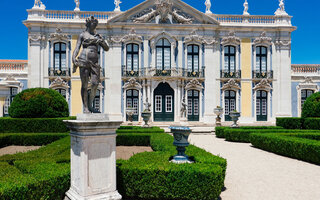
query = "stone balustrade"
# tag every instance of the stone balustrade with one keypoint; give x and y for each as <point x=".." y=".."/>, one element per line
<point x="14" y="66"/>
<point x="252" y="20"/>
<point x="305" y="70"/>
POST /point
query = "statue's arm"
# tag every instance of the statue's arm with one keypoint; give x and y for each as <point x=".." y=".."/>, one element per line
<point x="77" y="49"/>
<point x="104" y="44"/>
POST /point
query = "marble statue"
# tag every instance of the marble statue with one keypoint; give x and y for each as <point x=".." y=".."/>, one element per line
<point x="281" y="5"/>
<point x="183" y="109"/>
<point x="77" y="2"/>
<point x="246" y="8"/>
<point x="281" y="11"/>
<point x="208" y="6"/>
<point x="147" y="105"/>
<point x="39" y="4"/>
<point x="88" y="62"/>
<point x="117" y="5"/>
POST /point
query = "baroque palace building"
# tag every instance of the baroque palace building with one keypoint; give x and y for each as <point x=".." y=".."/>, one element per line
<point x="163" y="51"/>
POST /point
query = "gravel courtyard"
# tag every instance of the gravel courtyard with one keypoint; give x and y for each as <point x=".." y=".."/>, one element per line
<point x="254" y="174"/>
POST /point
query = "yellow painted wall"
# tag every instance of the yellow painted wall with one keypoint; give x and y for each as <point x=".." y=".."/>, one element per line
<point x="76" y="102"/>
<point x="246" y="86"/>
<point x="2" y="102"/>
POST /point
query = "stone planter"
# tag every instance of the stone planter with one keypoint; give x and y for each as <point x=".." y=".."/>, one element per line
<point x="181" y="135"/>
<point x="218" y="111"/>
<point x="130" y="112"/>
<point x="235" y="117"/>
<point x="146" y="117"/>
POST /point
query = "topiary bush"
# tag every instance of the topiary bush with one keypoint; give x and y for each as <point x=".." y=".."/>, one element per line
<point x="311" y="107"/>
<point x="39" y="103"/>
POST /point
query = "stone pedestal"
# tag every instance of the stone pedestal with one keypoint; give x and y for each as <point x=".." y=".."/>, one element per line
<point x="93" y="158"/>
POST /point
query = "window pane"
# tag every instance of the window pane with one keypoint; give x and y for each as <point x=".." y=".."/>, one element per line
<point x="135" y="62"/>
<point x="189" y="93"/>
<point x="232" y="94"/>
<point x="196" y="93"/>
<point x="135" y="93"/>
<point x="258" y="107"/>
<point x="226" y="50"/>
<point x="263" y="50"/>
<point x="166" y="42"/>
<point x="135" y="106"/>
<point x="196" y="63"/>
<point x="196" y="49"/>
<point x="158" y="100"/>
<point x="129" y="62"/>
<point x="232" y="63"/>
<point x="129" y="103"/>
<point x="135" y="48"/>
<point x="232" y="50"/>
<point x="190" y="49"/>
<point x="14" y="91"/>
<point x="303" y="93"/>
<point x="226" y="63"/>
<point x="63" y="47"/>
<point x="168" y="103"/>
<point x="167" y="56"/>
<point x="129" y="48"/>
<point x="189" y="106"/>
<point x="309" y="93"/>
<point x="258" y="62"/>
<point x="57" y="46"/>
<point x="196" y="106"/>
<point x="264" y="64"/>
<point x="227" y="93"/>
<point x="189" y="63"/>
<point x="258" y="50"/>
<point x="129" y="92"/>
<point x="63" y="61"/>
<point x="159" y="58"/>
<point x="264" y="94"/>
<point x="56" y="61"/>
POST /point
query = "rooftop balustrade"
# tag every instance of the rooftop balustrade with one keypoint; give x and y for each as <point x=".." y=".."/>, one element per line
<point x="14" y="66"/>
<point x="305" y="70"/>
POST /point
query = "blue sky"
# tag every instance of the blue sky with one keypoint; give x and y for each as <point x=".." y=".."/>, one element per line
<point x="305" y="40"/>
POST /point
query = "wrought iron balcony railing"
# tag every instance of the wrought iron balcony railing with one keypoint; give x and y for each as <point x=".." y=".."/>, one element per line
<point x="58" y="72"/>
<point x="257" y="74"/>
<point x="130" y="73"/>
<point x="165" y="72"/>
<point x="230" y="74"/>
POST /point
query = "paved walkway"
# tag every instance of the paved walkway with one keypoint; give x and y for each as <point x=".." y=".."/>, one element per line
<point x="254" y="174"/>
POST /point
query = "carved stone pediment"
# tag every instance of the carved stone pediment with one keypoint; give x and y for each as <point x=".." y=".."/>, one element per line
<point x="58" y="36"/>
<point x="231" y="85"/>
<point x="59" y="83"/>
<point x="282" y="43"/>
<point x="172" y="39"/>
<point x="194" y="84"/>
<point x="231" y="39"/>
<point x="132" y="84"/>
<point x="195" y="38"/>
<point x="37" y="37"/>
<point x="131" y="37"/>
<point x="263" y="39"/>
<point x="308" y="84"/>
<point x="263" y="85"/>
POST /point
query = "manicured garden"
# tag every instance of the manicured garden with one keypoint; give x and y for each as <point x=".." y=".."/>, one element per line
<point x="45" y="173"/>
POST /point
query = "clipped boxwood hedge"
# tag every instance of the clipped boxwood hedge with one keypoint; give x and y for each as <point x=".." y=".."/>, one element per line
<point x="220" y="131"/>
<point x="290" y="122"/>
<point x="137" y="129"/>
<point x="45" y="173"/>
<point x="311" y="107"/>
<point x="39" y="103"/>
<point x="302" y="146"/>
<point x="33" y="125"/>
<point x="312" y="123"/>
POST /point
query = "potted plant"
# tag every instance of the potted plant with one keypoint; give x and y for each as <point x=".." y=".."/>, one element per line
<point x="235" y="117"/>
<point x="181" y="135"/>
<point x="218" y="111"/>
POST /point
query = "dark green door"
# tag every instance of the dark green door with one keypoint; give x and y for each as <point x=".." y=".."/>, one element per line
<point x="193" y="105"/>
<point x="163" y="103"/>
<point x="229" y="103"/>
<point x="133" y="102"/>
<point x="262" y="105"/>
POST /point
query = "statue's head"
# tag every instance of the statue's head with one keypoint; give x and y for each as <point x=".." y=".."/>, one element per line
<point x="91" y="23"/>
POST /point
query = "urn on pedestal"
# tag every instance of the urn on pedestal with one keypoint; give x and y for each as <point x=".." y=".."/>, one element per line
<point x="235" y="117"/>
<point x="130" y="111"/>
<point x="181" y="135"/>
<point x="218" y="111"/>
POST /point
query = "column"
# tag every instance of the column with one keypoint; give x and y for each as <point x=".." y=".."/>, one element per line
<point x="34" y="61"/>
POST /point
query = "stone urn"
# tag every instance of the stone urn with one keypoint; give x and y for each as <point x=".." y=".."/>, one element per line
<point x="235" y="117"/>
<point x="146" y="117"/>
<point x="218" y="111"/>
<point x="181" y="135"/>
<point x="130" y="112"/>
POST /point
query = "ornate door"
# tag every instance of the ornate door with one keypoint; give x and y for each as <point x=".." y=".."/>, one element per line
<point x="262" y="105"/>
<point x="193" y="105"/>
<point x="229" y="103"/>
<point x="133" y="102"/>
<point x="163" y="103"/>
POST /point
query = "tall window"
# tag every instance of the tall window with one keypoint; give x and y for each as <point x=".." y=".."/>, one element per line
<point x="304" y="95"/>
<point x="132" y="57"/>
<point x="63" y="92"/>
<point x="261" y="59"/>
<point x="230" y="58"/>
<point x="163" y="54"/>
<point x="60" y="56"/>
<point x="193" y="58"/>
<point x="13" y="93"/>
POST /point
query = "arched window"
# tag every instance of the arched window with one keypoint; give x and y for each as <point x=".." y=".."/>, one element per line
<point x="13" y="93"/>
<point x="229" y="103"/>
<point x="63" y="92"/>
<point x="60" y="53"/>
<point x="193" y="105"/>
<point x="132" y="58"/>
<point x="230" y="59"/>
<point x="132" y="97"/>
<point x="261" y="59"/>
<point x="163" y="54"/>
<point x="262" y="105"/>
<point x="304" y="95"/>
<point x="193" y="58"/>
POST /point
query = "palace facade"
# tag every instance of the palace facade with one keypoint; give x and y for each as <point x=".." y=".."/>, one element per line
<point x="163" y="51"/>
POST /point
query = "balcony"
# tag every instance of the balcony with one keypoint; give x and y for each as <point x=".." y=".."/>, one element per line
<point x="257" y="74"/>
<point x="305" y="70"/>
<point x="130" y="73"/>
<point x="58" y="72"/>
<point x="230" y="74"/>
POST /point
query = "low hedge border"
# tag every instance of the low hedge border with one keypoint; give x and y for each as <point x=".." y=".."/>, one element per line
<point x="290" y="122"/>
<point x="220" y="131"/>
<point x="302" y="146"/>
<point x="140" y="130"/>
<point x="45" y="173"/>
<point x="312" y="123"/>
<point x="35" y="125"/>
<point x="29" y="139"/>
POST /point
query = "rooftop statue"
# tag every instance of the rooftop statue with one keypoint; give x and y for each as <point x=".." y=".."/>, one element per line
<point x="208" y="6"/>
<point x="88" y="62"/>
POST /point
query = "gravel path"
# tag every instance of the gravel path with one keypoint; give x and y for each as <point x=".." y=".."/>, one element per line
<point x="254" y="174"/>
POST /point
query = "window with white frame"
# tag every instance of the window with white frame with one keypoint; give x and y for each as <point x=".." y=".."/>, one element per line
<point x="163" y="54"/>
<point x="168" y="103"/>
<point x="193" y="58"/>
<point x="132" y="57"/>
<point x="60" y="56"/>
<point x="158" y="100"/>
<point x="63" y="92"/>
<point x="304" y="95"/>
<point x="230" y="58"/>
<point x="261" y="58"/>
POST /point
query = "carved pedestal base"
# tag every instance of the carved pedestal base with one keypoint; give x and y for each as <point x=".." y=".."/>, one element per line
<point x="93" y="158"/>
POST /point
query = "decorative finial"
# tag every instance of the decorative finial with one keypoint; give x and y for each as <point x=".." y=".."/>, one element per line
<point x="117" y="5"/>
<point x="281" y="10"/>
<point x="208" y="6"/>
<point x="77" y="8"/>
<point x="246" y="8"/>
<point x="38" y="5"/>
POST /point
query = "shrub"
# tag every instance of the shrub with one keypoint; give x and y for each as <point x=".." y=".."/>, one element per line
<point x="312" y="123"/>
<point x="294" y="145"/>
<point x="220" y="131"/>
<point x="311" y="107"/>
<point x="39" y="103"/>
<point x="290" y="122"/>
<point x="34" y="125"/>
<point x="137" y="129"/>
